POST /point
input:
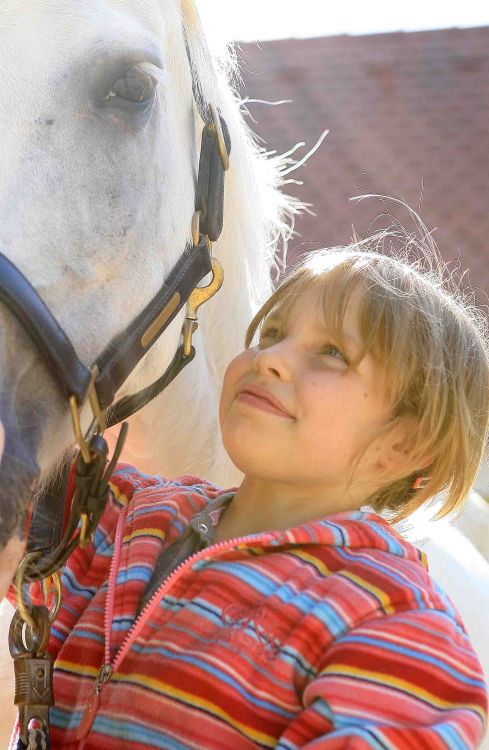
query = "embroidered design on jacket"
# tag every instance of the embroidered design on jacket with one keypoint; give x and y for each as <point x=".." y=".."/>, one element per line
<point x="251" y="631"/>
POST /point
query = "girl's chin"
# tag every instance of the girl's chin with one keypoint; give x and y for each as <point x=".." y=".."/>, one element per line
<point x="248" y="461"/>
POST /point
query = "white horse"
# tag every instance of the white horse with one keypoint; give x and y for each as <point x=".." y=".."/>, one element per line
<point x="96" y="200"/>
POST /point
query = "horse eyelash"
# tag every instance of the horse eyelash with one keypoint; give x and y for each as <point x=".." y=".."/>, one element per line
<point x="156" y="73"/>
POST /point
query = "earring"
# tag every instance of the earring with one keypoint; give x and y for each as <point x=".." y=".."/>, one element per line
<point x="421" y="482"/>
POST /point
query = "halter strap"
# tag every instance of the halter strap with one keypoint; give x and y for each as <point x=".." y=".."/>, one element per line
<point x="17" y="293"/>
<point x="117" y="361"/>
<point x="124" y="351"/>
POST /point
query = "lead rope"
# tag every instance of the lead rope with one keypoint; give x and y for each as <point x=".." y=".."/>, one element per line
<point x="37" y="740"/>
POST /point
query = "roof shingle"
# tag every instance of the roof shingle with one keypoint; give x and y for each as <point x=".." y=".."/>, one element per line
<point x="412" y="109"/>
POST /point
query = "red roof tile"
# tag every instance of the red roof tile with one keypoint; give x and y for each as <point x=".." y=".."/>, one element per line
<point x="410" y="108"/>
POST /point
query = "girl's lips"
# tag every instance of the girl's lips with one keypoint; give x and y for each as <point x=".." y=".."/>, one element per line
<point x="260" y="402"/>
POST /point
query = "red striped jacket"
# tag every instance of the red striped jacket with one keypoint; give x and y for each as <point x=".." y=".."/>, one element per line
<point x="330" y="635"/>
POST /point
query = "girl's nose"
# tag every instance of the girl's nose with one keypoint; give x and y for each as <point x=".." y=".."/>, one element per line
<point x="275" y="361"/>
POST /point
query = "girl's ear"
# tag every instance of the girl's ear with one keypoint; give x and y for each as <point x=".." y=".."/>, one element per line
<point x="395" y="456"/>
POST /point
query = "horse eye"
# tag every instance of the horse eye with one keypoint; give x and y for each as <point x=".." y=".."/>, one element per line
<point x="135" y="86"/>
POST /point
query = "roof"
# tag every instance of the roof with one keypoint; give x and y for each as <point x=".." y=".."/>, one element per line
<point x="412" y="109"/>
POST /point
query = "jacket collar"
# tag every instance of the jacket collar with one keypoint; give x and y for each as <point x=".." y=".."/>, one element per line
<point x="358" y="529"/>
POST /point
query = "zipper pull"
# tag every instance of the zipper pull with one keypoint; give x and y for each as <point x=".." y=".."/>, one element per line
<point x="103" y="676"/>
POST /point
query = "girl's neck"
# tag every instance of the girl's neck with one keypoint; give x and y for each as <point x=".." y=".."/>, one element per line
<point x="260" y="506"/>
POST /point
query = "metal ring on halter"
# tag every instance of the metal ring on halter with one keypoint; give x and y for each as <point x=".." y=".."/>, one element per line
<point x="19" y="587"/>
<point x="22" y="606"/>
<point x="24" y="640"/>
<point x="56" y="605"/>
<point x="220" y="137"/>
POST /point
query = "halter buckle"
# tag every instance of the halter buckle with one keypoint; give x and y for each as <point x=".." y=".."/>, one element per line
<point x="98" y="422"/>
<point x="196" y="299"/>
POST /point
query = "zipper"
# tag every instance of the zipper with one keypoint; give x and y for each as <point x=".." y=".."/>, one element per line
<point x="103" y="676"/>
<point x="105" y="671"/>
<point x="109" y="667"/>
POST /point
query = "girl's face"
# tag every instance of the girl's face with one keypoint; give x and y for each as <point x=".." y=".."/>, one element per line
<point x="292" y="409"/>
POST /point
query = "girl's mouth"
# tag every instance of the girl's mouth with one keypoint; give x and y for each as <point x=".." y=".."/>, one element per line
<point x="260" y="402"/>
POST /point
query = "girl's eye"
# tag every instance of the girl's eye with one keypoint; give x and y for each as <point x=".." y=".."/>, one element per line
<point x="332" y="350"/>
<point x="269" y="334"/>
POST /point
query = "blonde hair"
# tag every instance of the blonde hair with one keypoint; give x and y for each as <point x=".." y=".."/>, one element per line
<point x="432" y="342"/>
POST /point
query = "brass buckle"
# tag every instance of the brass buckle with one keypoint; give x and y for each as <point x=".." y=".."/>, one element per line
<point x="216" y="123"/>
<point x="98" y="422"/>
<point x="196" y="299"/>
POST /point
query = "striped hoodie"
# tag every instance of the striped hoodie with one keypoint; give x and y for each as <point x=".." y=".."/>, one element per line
<point x="326" y="636"/>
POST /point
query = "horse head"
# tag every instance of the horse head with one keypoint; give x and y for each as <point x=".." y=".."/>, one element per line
<point x="97" y="191"/>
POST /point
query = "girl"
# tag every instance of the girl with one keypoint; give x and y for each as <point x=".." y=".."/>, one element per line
<point x="289" y="613"/>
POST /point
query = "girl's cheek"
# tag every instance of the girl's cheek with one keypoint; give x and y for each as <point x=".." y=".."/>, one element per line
<point x="324" y="395"/>
<point x="235" y="372"/>
<point x="315" y="391"/>
<point x="239" y="366"/>
<point x="234" y="368"/>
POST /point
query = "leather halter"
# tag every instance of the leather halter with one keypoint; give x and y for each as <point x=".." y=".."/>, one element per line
<point x="99" y="383"/>
<point x="123" y="353"/>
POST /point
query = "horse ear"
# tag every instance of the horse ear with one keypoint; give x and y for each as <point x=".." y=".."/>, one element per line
<point x="204" y="79"/>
